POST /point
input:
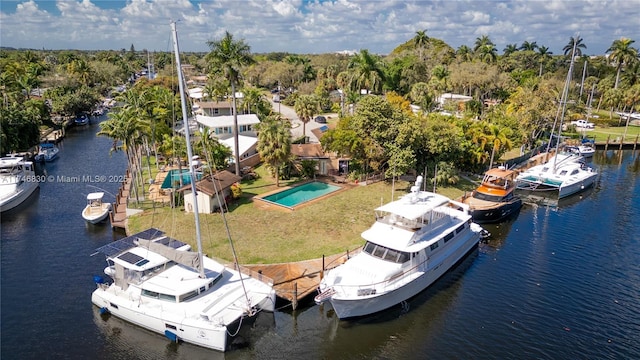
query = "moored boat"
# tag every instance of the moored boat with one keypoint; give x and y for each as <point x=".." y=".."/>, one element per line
<point x="48" y="152"/>
<point x="96" y="210"/>
<point x="564" y="173"/>
<point x="18" y="181"/>
<point x="495" y="199"/>
<point x="82" y="120"/>
<point x="161" y="285"/>
<point x="413" y="242"/>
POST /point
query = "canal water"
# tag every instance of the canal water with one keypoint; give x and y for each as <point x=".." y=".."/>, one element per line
<point x="559" y="281"/>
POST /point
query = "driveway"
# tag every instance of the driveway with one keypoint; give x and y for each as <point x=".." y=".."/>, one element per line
<point x="296" y="125"/>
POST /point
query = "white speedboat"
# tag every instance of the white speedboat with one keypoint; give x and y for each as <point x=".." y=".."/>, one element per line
<point x="96" y="210"/>
<point x="82" y="120"/>
<point x="48" y="152"/>
<point x="586" y="151"/>
<point x="18" y="180"/>
<point x="160" y="285"/>
<point x="565" y="173"/>
<point x="414" y="241"/>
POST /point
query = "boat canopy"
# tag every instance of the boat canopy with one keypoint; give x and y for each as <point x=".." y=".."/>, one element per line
<point x="414" y="205"/>
<point x="95" y="196"/>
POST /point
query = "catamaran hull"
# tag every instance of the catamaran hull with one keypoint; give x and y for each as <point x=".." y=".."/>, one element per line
<point x="211" y="336"/>
<point x="368" y="305"/>
<point x="577" y="187"/>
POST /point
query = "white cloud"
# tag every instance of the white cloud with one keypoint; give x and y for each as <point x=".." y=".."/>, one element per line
<point x="315" y="26"/>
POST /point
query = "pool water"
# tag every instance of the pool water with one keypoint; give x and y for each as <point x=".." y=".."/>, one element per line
<point x="301" y="194"/>
<point x="173" y="178"/>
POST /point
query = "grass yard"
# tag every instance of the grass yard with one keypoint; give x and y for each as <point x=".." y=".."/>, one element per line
<point x="329" y="226"/>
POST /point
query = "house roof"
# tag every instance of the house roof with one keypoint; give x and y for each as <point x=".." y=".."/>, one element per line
<point x="227" y="120"/>
<point x="244" y="143"/>
<point x="223" y="180"/>
<point x="319" y="131"/>
<point x="308" y="151"/>
<point x="214" y="104"/>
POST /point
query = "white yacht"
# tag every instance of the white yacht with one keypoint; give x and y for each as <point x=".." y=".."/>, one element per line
<point x="414" y="241"/>
<point x="96" y="210"/>
<point x="160" y="285"/>
<point x="17" y="181"/>
<point x="565" y="173"/>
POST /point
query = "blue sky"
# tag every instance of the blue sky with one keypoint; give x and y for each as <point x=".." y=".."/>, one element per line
<point x="318" y="26"/>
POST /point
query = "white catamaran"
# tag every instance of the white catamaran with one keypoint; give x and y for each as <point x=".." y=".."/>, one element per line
<point x="163" y="286"/>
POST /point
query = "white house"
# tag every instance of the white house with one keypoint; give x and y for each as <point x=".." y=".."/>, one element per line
<point x="222" y="126"/>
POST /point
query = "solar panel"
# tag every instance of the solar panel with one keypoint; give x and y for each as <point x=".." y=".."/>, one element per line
<point x="131" y="258"/>
<point x="128" y="242"/>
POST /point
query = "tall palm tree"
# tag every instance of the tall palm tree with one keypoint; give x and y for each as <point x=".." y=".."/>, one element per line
<point x="366" y="72"/>
<point x="577" y="42"/>
<point x="274" y="143"/>
<point x="621" y="53"/>
<point x="229" y="57"/>
<point x="420" y="41"/>
<point x="306" y="106"/>
<point x="543" y="55"/>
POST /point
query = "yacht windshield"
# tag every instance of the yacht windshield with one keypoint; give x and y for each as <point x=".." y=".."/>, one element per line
<point x="385" y="253"/>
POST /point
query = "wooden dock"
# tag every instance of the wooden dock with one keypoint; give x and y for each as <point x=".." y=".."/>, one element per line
<point x="296" y="280"/>
<point x="118" y="214"/>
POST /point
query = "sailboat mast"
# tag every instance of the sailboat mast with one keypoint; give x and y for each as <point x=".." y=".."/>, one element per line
<point x="564" y="99"/>
<point x="185" y="120"/>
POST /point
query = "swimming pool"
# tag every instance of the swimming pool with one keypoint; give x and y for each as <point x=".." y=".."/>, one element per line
<point x="173" y="178"/>
<point x="292" y="197"/>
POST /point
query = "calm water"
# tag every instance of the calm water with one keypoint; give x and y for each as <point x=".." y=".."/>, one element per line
<point x="560" y="281"/>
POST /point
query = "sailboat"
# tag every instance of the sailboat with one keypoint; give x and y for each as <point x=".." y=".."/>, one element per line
<point x="163" y="286"/>
<point x="564" y="172"/>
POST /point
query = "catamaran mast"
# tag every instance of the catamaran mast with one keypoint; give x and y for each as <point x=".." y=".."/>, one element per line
<point x="192" y="171"/>
<point x="563" y="101"/>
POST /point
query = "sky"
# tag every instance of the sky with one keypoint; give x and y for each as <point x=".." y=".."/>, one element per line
<point x="314" y="26"/>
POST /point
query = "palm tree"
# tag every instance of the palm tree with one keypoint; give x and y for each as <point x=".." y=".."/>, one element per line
<point x="228" y="57"/>
<point x="365" y="72"/>
<point x="274" y="143"/>
<point x="487" y="53"/>
<point x="464" y="53"/>
<point x="543" y="55"/>
<point x="510" y="49"/>
<point x="420" y="41"/>
<point x="531" y="46"/>
<point x="483" y="41"/>
<point x="306" y="106"/>
<point x="621" y="53"/>
<point x="577" y="42"/>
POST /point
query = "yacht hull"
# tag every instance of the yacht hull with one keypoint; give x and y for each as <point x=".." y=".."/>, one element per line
<point x="368" y="305"/>
<point x="26" y="189"/>
<point x="497" y="213"/>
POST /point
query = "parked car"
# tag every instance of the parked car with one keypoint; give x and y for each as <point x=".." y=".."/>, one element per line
<point x="583" y="124"/>
<point x="320" y="119"/>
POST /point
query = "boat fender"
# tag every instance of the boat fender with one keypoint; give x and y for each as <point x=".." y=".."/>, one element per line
<point x="98" y="279"/>
<point x="104" y="311"/>
<point x="171" y="336"/>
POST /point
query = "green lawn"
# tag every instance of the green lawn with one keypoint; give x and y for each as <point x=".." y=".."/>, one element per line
<point x="329" y="226"/>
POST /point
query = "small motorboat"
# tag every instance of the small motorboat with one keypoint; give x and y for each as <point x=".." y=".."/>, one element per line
<point x="48" y="152"/>
<point x="82" y="120"/>
<point x="96" y="210"/>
